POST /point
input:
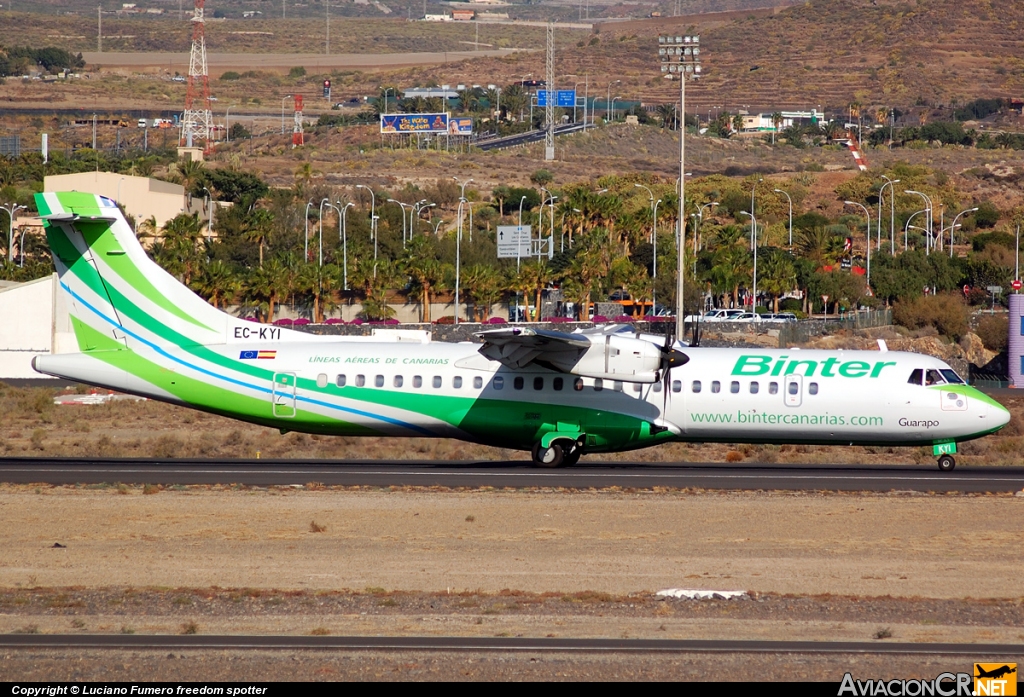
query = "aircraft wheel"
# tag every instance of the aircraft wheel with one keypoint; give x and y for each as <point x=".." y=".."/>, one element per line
<point x="947" y="463"/>
<point x="552" y="456"/>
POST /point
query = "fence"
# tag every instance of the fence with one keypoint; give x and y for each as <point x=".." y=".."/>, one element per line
<point x="801" y="332"/>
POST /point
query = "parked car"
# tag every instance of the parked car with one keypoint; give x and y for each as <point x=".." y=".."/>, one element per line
<point x="745" y="317"/>
<point x="780" y="317"/>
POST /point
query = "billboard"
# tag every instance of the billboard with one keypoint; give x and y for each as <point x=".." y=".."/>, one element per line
<point x="460" y="125"/>
<point x="563" y="98"/>
<point x="414" y="123"/>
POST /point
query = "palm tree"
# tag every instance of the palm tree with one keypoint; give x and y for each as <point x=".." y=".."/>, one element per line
<point x="776" y="122"/>
<point x="318" y="282"/>
<point x="178" y="250"/>
<point x="468" y="100"/>
<point x="524" y="282"/>
<point x="259" y="225"/>
<point x="731" y="268"/>
<point x="265" y="287"/>
<point x="483" y="287"/>
<point x="217" y="283"/>
<point x="640" y="287"/>
<point x="667" y="114"/>
<point x="776" y="274"/>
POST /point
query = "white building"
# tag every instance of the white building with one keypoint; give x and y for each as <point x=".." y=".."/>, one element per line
<point x="143" y="198"/>
<point x="34" y="320"/>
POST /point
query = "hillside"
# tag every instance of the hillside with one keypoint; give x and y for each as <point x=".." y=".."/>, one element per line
<point x="875" y="52"/>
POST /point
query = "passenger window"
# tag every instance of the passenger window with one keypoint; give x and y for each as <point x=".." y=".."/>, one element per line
<point x="340" y="381"/>
<point x="754" y="387"/>
<point x="379" y="381"/>
<point x="360" y="380"/>
<point x="716" y="386"/>
<point x="696" y="386"/>
<point x="518" y="382"/>
<point x="598" y="384"/>
<point x="538" y="383"/>
<point x="478" y="382"/>
<point x="457" y="382"/>
<point x="617" y="385"/>
<point x="734" y="387"/>
<point x="398" y="381"/>
<point x="773" y="388"/>
<point x="932" y="377"/>
<point x="637" y="387"/>
<point x="577" y="384"/>
<point x="498" y="382"/>
<point x="321" y="380"/>
<point x="417" y="381"/>
<point x="812" y="388"/>
<point x="793" y="387"/>
<point x="436" y="382"/>
<point x="557" y="384"/>
<point x="657" y="387"/>
<point x="915" y="377"/>
<point x="677" y="385"/>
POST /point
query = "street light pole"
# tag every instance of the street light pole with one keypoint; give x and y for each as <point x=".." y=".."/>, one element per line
<point x="892" y="213"/>
<point x="867" y="216"/>
<point x="458" y="258"/>
<point x="906" y="229"/>
<point x="321" y="253"/>
<point x="753" y="221"/>
<point x="343" y="231"/>
<point x="403" y="205"/>
<point x="928" y="223"/>
<point x="373" y="217"/>
<point x="209" y="212"/>
<point x="780" y="191"/>
<point x="11" y="209"/>
<point x="305" y="245"/>
<point x="953" y="227"/>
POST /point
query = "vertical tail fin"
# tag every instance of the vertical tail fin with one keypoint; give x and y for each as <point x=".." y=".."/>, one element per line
<point x="117" y="292"/>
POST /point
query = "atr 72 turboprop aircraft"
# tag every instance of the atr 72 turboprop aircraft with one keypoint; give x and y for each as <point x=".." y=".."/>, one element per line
<point x="559" y="395"/>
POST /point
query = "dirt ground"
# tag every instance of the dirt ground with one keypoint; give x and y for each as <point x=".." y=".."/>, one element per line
<point x="533" y="541"/>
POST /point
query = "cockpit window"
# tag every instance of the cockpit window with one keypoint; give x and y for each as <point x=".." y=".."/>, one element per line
<point x="915" y="377"/>
<point x="951" y="377"/>
<point x="933" y="377"/>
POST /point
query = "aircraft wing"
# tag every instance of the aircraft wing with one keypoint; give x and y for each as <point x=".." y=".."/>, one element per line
<point x="517" y="347"/>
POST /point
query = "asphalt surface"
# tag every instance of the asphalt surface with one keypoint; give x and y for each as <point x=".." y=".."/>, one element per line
<point x="503" y="644"/>
<point x="517" y="474"/>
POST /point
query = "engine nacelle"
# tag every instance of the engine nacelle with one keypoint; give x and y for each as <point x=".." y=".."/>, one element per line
<point x="616" y="357"/>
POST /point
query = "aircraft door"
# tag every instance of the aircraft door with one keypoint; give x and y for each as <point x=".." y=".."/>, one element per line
<point x="283" y="395"/>
<point x="794" y="388"/>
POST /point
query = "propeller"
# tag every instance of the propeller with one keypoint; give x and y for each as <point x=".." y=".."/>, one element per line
<point x="671" y="357"/>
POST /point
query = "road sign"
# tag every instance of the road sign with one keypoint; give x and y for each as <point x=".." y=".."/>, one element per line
<point x="994" y="290"/>
<point x="515" y="241"/>
<point x="1016" y="284"/>
<point x="563" y="98"/>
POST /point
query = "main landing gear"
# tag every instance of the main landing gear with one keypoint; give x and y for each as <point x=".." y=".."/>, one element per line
<point x="561" y="453"/>
<point x="947" y="463"/>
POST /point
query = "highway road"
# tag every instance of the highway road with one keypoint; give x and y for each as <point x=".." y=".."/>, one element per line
<point x="502" y="644"/>
<point x="517" y="474"/>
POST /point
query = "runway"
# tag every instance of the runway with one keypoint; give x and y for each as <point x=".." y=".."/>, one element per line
<point x="514" y="474"/>
<point x="501" y="644"/>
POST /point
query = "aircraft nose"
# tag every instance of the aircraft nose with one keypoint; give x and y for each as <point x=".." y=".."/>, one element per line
<point x="1002" y="415"/>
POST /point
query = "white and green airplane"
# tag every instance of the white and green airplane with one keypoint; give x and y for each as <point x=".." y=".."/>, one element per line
<point x="559" y="395"/>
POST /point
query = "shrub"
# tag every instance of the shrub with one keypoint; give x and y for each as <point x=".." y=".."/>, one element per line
<point x="994" y="332"/>
<point x="946" y="313"/>
<point x="987" y="214"/>
<point x="231" y="75"/>
<point x="297" y="71"/>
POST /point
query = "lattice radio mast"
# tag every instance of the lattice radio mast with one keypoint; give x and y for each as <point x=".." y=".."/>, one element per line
<point x="197" y="121"/>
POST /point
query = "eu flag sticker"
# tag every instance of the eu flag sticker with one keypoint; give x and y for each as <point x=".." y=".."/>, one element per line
<point x="247" y="355"/>
<point x="256" y="355"/>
